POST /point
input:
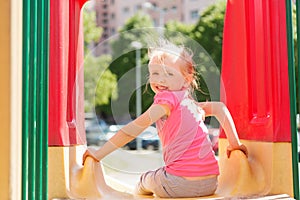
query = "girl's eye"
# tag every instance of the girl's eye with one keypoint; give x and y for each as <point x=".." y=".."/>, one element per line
<point x="154" y="73"/>
<point x="170" y="74"/>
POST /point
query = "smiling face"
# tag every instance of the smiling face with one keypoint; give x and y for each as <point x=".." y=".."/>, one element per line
<point x="165" y="73"/>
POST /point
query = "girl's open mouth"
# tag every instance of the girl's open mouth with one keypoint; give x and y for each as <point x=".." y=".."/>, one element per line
<point x="161" y="87"/>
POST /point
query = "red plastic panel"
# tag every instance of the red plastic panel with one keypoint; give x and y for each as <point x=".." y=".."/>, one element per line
<point x="66" y="94"/>
<point x="255" y="69"/>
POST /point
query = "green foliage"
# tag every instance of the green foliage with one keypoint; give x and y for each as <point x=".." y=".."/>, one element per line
<point x="172" y="27"/>
<point x="297" y="72"/>
<point x="209" y="31"/>
<point x="137" y="28"/>
<point x="92" y="32"/>
<point x="207" y="34"/>
<point x="100" y="84"/>
<point x="139" y="20"/>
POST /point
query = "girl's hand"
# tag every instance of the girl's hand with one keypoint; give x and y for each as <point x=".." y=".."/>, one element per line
<point x="89" y="153"/>
<point x="241" y="147"/>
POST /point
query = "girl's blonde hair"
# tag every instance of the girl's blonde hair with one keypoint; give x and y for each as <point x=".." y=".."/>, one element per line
<point x="183" y="53"/>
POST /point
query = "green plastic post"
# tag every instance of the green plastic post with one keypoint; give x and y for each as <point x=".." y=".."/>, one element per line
<point x="292" y="91"/>
<point x="35" y="100"/>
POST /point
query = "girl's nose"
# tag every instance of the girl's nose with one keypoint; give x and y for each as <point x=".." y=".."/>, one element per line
<point x="162" y="80"/>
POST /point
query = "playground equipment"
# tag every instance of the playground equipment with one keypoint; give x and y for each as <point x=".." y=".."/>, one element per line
<point x="258" y="93"/>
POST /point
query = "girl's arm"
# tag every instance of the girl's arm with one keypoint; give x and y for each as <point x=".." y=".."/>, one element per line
<point x="129" y="132"/>
<point x="222" y="114"/>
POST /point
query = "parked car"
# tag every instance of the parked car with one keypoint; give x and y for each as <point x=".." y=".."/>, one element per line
<point x="214" y="134"/>
<point x="112" y="130"/>
<point x="95" y="130"/>
<point x="149" y="140"/>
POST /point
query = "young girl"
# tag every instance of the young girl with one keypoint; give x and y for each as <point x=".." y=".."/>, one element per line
<point x="191" y="169"/>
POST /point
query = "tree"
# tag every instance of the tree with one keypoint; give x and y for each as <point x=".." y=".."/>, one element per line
<point x="173" y="27"/>
<point x="207" y="34"/>
<point x="100" y="82"/>
<point x="137" y="28"/>
<point x="296" y="58"/>
<point x="208" y="31"/>
<point x="91" y="31"/>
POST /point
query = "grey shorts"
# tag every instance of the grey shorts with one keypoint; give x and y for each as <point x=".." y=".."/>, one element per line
<point x="165" y="185"/>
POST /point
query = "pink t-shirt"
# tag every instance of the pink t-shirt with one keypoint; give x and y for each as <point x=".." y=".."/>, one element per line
<point x="187" y="149"/>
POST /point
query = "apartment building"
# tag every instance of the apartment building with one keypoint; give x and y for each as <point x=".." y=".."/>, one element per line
<point x="112" y="14"/>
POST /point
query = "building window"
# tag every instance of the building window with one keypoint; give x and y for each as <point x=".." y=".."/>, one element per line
<point x="138" y="7"/>
<point x="113" y="30"/>
<point x="104" y="21"/>
<point x="125" y="10"/>
<point x="156" y="22"/>
<point x="194" y="14"/>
